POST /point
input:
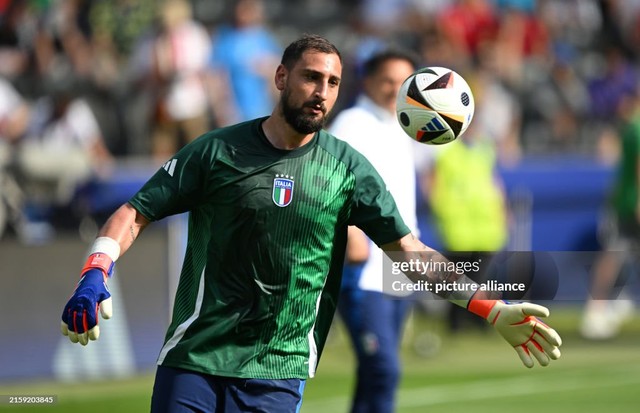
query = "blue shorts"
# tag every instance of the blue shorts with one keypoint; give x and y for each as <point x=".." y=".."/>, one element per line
<point x="182" y="391"/>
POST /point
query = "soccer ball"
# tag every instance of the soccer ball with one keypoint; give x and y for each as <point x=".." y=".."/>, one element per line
<point x="435" y="105"/>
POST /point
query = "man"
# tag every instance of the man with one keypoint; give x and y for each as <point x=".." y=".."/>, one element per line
<point x="180" y="51"/>
<point x="241" y="64"/>
<point x="373" y="318"/>
<point x="468" y="206"/>
<point x="270" y="201"/>
<point x="607" y="308"/>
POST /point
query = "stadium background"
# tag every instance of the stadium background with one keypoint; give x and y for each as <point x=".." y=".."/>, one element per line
<point x="556" y="182"/>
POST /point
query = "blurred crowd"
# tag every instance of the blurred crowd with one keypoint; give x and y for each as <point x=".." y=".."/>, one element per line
<point x="86" y="82"/>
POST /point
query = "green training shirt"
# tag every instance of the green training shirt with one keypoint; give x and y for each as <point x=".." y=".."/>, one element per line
<point x="267" y="233"/>
<point x="625" y="196"/>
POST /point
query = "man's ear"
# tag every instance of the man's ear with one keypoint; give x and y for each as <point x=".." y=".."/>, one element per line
<point x="281" y="77"/>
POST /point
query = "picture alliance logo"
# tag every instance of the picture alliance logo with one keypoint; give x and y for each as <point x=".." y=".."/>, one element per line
<point x="441" y="287"/>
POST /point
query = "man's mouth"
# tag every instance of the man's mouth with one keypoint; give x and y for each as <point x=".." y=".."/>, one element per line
<point x="317" y="108"/>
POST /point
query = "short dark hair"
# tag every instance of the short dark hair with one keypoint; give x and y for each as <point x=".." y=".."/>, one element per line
<point x="314" y="42"/>
<point x="373" y="63"/>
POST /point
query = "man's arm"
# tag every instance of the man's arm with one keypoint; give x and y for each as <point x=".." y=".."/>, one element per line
<point x="410" y="248"/>
<point x="357" y="246"/>
<point x="80" y="315"/>
<point x="124" y="226"/>
<point x="517" y="323"/>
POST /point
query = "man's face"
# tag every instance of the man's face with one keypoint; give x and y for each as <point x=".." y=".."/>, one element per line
<point x="383" y="85"/>
<point x="309" y="90"/>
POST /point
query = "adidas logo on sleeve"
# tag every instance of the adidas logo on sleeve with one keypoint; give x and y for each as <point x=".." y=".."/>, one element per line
<point x="170" y="166"/>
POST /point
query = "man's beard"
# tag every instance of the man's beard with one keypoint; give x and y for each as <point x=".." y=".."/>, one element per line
<point x="300" y="121"/>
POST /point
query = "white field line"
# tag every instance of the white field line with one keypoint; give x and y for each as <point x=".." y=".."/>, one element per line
<point x="490" y="389"/>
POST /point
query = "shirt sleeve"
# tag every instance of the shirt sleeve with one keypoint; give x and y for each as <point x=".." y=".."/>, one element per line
<point x="178" y="186"/>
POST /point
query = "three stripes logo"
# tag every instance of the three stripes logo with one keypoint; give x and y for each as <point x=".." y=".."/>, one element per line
<point x="434" y="125"/>
<point x="432" y="130"/>
<point x="170" y="166"/>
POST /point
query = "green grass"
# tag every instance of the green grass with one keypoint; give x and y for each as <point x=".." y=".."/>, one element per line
<point x="473" y="370"/>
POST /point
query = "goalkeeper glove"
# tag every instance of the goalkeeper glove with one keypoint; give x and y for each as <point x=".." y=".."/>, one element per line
<point x="518" y="324"/>
<point x="80" y="315"/>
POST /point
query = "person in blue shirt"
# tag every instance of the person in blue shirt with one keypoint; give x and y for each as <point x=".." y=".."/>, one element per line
<point x="242" y="61"/>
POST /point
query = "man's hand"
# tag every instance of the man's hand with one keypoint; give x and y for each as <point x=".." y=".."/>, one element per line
<point x="80" y="315"/>
<point x="518" y="324"/>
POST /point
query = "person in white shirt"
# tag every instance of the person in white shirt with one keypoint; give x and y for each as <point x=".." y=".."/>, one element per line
<point x="374" y="319"/>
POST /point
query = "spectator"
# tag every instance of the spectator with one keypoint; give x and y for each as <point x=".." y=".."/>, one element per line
<point x="117" y="30"/>
<point x="467" y="24"/>
<point x="618" y="78"/>
<point x="62" y="150"/>
<point x="14" y="113"/>
<point x="14" y="118"/>
<point x="14" y="55"/>
<point x="242" y="61"/>
<point x="180" y="56"/>
<point x="498" y="113"/>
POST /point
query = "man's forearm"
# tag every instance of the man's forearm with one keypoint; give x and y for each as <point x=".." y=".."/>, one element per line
<point x="124" y="226"/>
<point x="435" y="269"/>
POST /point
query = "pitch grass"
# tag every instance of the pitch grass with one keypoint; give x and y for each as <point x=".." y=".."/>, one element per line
<point x="473" y="370"/>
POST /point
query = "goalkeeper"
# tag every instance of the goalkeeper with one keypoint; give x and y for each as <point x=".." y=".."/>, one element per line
<point x="269" y="204"/>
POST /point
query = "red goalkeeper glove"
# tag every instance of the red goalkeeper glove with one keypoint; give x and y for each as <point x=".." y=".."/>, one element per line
<point x="519" y="325"/>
